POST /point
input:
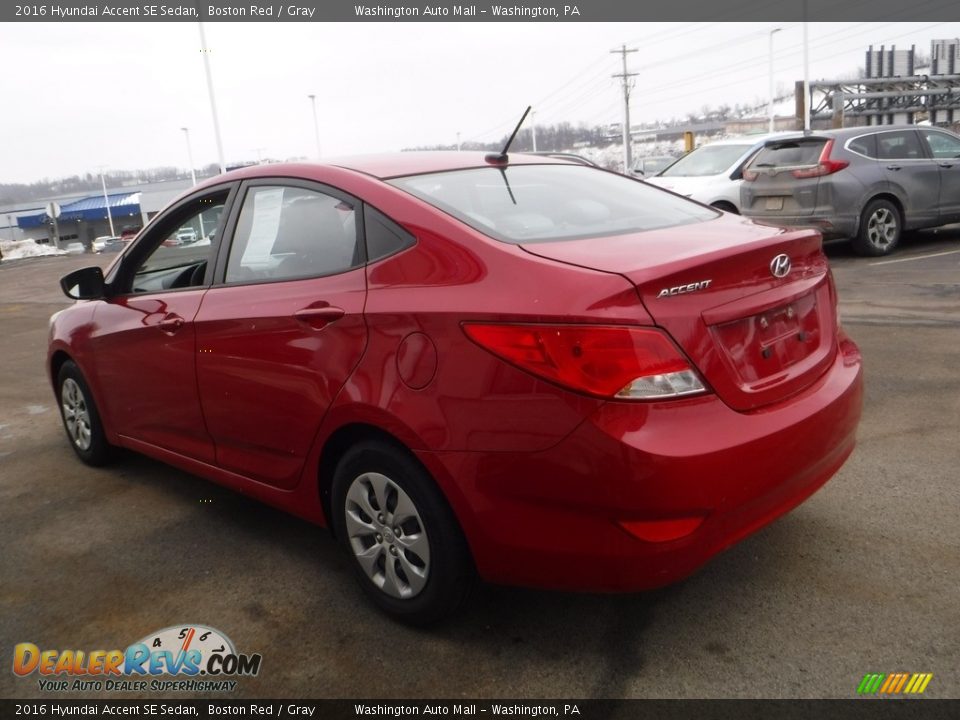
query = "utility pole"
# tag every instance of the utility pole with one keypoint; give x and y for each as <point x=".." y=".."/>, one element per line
<point x="627" y="86"/>
<point x="533" y="128"/>
<point x="770" y="95"/>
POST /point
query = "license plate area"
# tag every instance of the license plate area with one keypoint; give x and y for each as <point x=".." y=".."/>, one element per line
<point x="774" y="203"/>
<point x="764" y="345"/>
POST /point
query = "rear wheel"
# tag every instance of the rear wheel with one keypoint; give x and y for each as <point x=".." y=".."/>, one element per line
<point x="726" y="207"/>
<point x="407" y="548"/>
<point x="81" y="419"/>
<point x="880" y="229"/>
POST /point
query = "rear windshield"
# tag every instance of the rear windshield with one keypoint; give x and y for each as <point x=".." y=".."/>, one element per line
<point x="707" y="160"/>
<point x="790" y="153"/>
<point x="538" y="203"/>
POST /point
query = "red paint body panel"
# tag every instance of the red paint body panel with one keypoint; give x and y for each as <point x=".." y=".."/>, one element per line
<point x="267" y="377"/>
<point x="247" y="394"/>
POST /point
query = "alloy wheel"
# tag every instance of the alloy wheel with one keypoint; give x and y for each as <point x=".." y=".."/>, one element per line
<point x="882" y="228"/>
<point x="76" y="414"/>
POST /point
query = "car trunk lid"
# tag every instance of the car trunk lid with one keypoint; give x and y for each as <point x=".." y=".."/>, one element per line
<point x="783" y="178"/>
<point x="756" y="338"/>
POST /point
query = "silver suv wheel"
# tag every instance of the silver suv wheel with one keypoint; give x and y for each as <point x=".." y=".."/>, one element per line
<point x="882" y="228"/>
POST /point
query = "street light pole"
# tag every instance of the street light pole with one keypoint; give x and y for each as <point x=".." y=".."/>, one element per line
<point x="316" y="124"/>
<point x="106" y="202"/>
<point x="193" y="172"/>
<point x="806" y="71"/>
<point x="213" y="101"/>
<point x="770" y="104"/>
<point x="533" y="129"/>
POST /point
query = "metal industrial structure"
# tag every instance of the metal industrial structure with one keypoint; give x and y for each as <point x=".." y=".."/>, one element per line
<point x="891" y="92"/>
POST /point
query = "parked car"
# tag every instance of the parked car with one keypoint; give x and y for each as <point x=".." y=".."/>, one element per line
<point x="867" y="184"/>
<point x="650" y="166"/>
<point x="129" y="232"/>
<point x="570" y="157"/>
<point x="74" y="248"/>
<point x="101" y="242"/>
<point x="540" y="372"/>
<point x="114" y="244"/>
<point x="186" y="235"/>
<point x="712" y="173"/>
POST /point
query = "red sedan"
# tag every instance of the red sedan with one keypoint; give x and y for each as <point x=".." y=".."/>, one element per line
<point x="525" y="369"/>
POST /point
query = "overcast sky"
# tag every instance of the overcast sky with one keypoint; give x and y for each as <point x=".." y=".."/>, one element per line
<point x="80" y="95"/>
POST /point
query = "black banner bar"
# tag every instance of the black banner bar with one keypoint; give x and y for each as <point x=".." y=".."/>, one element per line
<point x="853" y="709"/>
<point x="470" y="11"/>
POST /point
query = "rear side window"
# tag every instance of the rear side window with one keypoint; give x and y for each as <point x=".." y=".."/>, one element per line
<point x="384" y="236"/>
<point x="285" y="233"/>
<point x="541" y="203"/>
<point x="865" y="145"/>
<point x="902" y="145"/>
<point x="790" y="153"/>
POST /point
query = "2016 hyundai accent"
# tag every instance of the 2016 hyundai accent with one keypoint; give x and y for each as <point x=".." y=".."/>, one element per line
<point x="521" y="368"/>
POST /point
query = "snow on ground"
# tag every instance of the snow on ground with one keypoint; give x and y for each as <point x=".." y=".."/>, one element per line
<point x="19" y="249"/>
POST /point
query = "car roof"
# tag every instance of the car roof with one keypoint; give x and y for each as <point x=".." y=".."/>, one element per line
<point x="750" y="139"/>
<point x="398" y="164"/>
<point x="844" y="133"/>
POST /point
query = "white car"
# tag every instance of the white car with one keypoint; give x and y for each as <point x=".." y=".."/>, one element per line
<point x="711" y="173"/>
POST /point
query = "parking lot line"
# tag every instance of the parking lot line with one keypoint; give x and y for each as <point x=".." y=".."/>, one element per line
<point x="915" y="257"/>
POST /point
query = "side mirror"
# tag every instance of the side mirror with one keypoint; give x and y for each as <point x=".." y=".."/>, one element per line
<point x="84" y="284"/>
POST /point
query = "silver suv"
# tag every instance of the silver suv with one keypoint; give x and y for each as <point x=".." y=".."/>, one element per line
<point x="867" y="184"/>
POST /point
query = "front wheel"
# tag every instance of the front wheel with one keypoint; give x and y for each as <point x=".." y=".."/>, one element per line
<point x="80" y="417"/>
<point x="880" y="229"/>
<point x="407" y="548"/>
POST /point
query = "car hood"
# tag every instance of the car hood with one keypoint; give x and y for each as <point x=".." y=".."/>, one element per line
<point x="695" y="186"/>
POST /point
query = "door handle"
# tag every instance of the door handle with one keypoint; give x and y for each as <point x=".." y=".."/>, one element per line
<point x="945" y="165"/>
<point x="893" y="167"/>
<point x="171" y="323"/>
<point x="319" y="317"/>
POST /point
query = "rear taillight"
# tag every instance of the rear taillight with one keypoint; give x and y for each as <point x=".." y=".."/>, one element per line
<point x="611" y="362"/>
<point x="750" y="175"/>
<point x="825" y="165"/>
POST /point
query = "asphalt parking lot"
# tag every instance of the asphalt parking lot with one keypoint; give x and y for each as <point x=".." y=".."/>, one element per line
<point x="863" y="577"/>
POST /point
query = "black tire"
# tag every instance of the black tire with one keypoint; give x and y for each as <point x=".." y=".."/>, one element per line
<point x="81" y="419"/>
<point x="431" y="586"/>
<point x="726" y="207"/>
<point x="880" y="229"/>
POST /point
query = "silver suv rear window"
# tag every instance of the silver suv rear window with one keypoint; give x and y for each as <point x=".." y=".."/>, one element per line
<point x="790" y="153"/>
<point x="542" y="203"/>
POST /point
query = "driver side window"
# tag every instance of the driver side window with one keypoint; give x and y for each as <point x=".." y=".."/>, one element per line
<point x="183" y="248"/>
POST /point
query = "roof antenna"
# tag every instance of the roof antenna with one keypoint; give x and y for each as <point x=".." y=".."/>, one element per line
<point x="501" y="157"/>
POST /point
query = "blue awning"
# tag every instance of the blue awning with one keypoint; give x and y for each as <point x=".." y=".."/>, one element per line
<point x="88" y="208"/>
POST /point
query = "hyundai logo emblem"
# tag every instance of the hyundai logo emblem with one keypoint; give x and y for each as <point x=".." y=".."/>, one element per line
<point x="780" y="266"/>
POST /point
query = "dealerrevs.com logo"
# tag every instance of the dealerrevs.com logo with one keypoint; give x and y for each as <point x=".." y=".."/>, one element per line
<point x="199" y="658"/>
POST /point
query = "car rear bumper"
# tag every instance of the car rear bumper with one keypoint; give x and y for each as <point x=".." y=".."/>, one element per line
<point x="830" y="226"/>
<point x="556" y="518"/>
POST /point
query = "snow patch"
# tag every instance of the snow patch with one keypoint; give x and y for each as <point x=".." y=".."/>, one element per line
<point x="20" y="249"/>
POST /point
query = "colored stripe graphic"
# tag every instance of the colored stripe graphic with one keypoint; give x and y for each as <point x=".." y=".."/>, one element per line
<point x="894" y="683"/>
